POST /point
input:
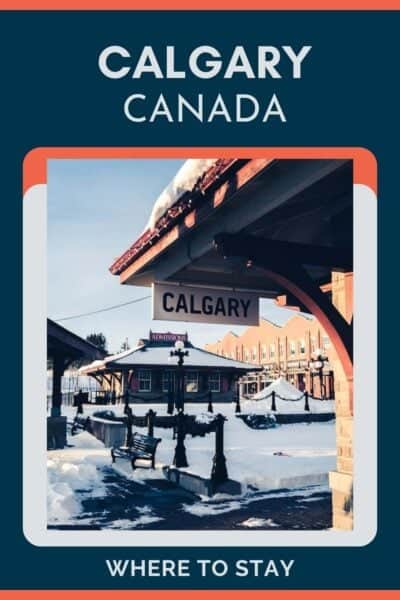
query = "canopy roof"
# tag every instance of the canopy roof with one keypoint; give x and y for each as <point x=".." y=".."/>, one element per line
<point x="150" y="355"/>
<point x="293" y="207"/>
<point x="61" y="341"/>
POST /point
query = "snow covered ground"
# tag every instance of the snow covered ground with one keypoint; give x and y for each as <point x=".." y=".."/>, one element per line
<point x="285" y="457"/>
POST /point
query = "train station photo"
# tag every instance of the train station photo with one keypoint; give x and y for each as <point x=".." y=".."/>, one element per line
<point x="200" y="344"/>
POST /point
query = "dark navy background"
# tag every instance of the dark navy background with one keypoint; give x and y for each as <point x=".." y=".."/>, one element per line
<point x="52" y="94"/>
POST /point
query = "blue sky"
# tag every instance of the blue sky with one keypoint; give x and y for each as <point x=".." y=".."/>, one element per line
<point x="96" y="209"/>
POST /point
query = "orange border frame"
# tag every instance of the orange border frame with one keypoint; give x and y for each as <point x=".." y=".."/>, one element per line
<point x="212" y="594"/>
<point x="115" y="5"/>
<point x="35" y="161"/>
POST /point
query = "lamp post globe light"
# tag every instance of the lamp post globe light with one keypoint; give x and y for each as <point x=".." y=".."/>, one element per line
<point x="317" y="368"/>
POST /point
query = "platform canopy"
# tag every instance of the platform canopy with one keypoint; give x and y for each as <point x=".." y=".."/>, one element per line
<point x="63" y="347"/>
<point x="302" y="207"/>
<point x="279" y="227"/>
<point x="65" y="343"/>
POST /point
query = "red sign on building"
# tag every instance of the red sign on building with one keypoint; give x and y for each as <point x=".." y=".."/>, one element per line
<point x="168" y="337"/>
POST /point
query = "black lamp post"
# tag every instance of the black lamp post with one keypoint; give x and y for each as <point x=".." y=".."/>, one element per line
<point x="317" y="368"/>
<point x="180" y="451"/>
<point x="180" y="353"/>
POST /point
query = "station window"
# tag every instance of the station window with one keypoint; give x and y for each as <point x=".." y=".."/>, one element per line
<point x="254" y="353"/>
<point x="272" y="350"/>
<point x="144" y="378"/>
<point x="292" y="348"/>
<point x="192" y="381"/>
<point x="264" y="352"/>
<point x="168" y="378"/>
<point x="281" y="349"/>
<point x="313" y="344"/>
<point x="214" y="382"/>
<point x="302" y="347"/>
<point x="326" y="342"/>
<point x="246" y="354"/>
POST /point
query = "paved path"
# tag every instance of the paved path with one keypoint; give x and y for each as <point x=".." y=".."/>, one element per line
<point x="158" y="504"/>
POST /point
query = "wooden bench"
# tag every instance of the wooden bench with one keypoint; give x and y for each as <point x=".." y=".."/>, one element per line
<point x="143" y="447"/>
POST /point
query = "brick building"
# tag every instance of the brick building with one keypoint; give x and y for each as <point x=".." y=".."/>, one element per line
<point x="285" y="342"/>
<point x="283" y="349"/>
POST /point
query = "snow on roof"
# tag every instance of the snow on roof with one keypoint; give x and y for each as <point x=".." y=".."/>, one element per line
<point x="149" y="355"/>
<point x="281" y="387"/>
<point x="184" y="181"/>
<point x="279" y="315"/>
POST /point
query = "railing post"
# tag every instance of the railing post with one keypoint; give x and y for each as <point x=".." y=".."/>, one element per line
<point x="210" y="406"/>
<point x="129" y="423"/>
<point x="219" y="472"/>
<point x="273" y="403"/>
<point x="237" y="407"/>
<point x="126" y="403"/>
<point x="180" y="459"/>
<point x="306" y="404"/>
<point x="150" y="422"/>
<point x="170" y="405"/>
<point x="79" y="403"/>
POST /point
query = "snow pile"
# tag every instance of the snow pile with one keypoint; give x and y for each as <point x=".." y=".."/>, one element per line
<point x="205" y="418"/>
<point x="281" y="387"/>
<point x="293" y="402"/>
<point x="263" y="407"/>
<point x="85" y="440"/>
<point x="184" y="181"/>
<point x="71" y="476"/>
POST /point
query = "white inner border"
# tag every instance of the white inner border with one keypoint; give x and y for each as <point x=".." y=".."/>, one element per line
<point x="34" y="406"/>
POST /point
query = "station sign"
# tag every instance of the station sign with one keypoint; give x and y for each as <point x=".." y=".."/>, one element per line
<point x="204" y="305"/>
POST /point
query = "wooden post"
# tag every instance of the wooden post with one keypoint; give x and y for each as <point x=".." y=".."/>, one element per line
<point x="219" y="472"/>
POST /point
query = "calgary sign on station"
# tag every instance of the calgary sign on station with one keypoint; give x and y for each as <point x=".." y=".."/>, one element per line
<point x="204" y="305"/>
